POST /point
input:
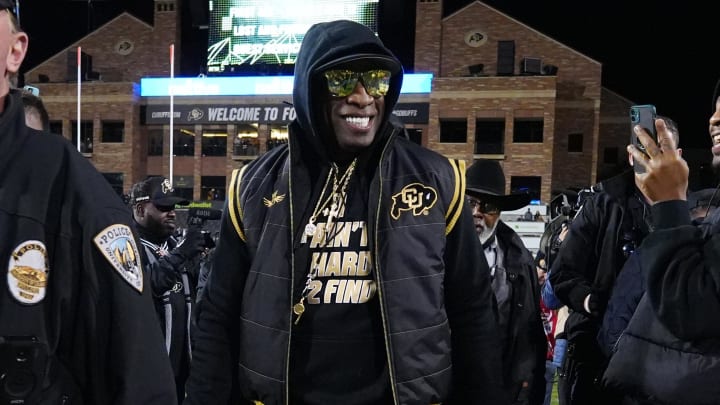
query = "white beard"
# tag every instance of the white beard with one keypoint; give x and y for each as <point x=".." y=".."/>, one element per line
<point x="487" y="232"/>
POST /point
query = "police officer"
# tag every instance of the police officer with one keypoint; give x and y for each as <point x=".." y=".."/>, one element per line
<point x="77" y="322"/>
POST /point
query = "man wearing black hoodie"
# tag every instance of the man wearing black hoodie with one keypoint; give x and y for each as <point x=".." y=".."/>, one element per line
<point x="347" y="270"/>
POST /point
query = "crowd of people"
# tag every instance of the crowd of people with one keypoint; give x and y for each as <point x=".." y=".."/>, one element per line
<point x="352" y="265"/>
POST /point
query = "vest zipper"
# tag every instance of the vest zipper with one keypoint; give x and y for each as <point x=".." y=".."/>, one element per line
<point x="383" y="315"/>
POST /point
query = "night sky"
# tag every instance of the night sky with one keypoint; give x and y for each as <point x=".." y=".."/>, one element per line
<point x="652" y="52"/>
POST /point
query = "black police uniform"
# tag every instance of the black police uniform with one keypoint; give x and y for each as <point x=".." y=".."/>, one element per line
<point x="73" y="280"/>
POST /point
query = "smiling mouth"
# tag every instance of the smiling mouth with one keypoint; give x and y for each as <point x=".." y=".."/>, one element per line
<point x="358" y="122"/>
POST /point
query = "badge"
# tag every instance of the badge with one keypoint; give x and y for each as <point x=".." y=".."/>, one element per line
<point x="28" y="272"/>
<point x="117" y="244"/>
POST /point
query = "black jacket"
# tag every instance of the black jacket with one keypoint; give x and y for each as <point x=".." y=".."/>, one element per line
<point x="95" y="313"/>
<point x="593" y="253"/>
<point x="173" y="280"/>
<point x="682" y="266"/>
<point x="525" y="345"/>
<point x="425" y="253"/>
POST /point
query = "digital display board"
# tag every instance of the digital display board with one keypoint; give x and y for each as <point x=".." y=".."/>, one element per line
<point x="269" y="32"/>
<point x="413" y="83"/>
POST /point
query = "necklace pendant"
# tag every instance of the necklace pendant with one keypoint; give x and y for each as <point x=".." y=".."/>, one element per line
<point x="310" y="229"/>
<point x="298" y="310"/>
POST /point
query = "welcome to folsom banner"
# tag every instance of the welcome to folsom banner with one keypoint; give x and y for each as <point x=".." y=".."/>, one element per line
<point x="408" y="113"/>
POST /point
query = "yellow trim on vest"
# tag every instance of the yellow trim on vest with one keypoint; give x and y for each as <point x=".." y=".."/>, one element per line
<point x="258" y="403"/>
<point x="234" y="207"/>
<point x="456" y="205"/>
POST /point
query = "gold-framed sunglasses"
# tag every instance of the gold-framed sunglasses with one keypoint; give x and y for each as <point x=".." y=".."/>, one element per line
<point x="342" y="82"/>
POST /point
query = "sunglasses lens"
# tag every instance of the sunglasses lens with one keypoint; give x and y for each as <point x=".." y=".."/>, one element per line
<point x="376" y="82"/>
<point x="484" y="207"/>
<point x="488" y="208"/>
<point x="165" y="208"/>
<point x="341" y="83"/>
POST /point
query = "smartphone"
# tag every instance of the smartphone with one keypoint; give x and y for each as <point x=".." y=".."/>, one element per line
<point x="643" y="115"/>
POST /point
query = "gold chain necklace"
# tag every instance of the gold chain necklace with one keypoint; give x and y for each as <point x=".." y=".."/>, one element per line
<point x="335" y="195"/>
<point x="338" y="197"/>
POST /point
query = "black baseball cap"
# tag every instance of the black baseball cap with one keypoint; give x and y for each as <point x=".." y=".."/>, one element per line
<point x="7" y="5"/>
<point x="156" y="190"/>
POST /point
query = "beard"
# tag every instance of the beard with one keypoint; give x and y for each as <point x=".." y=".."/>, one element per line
<point x="487" y="232"/>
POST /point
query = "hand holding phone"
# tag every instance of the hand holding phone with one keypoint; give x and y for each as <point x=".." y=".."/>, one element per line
<point x="644" y="116"/>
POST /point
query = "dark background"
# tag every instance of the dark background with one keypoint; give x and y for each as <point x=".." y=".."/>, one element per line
<point x="652" y="52"/>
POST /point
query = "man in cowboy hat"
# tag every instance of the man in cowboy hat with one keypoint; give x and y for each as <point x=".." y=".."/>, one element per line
<point x="514" y="281"/>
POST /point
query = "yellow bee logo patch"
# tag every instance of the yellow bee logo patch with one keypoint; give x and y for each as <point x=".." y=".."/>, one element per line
<point x="274" y="199"/>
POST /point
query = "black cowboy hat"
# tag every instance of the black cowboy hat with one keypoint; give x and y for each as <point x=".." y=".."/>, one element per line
<point x="485" y="180"/>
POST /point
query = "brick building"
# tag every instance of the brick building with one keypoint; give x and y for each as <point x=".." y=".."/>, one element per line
<point x="500" y="90"/>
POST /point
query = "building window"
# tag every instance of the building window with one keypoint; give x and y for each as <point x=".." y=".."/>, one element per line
<point x="528" y="130"/>
<point x="490" y="136"/>
<point x="453" y="130"/>
<point x="155" y="142"/>
<point x="212" y="188"/>
<point x="116" y="181"/>
<point x="183" y="186"/>
<point x="184" y="141"/>
<point x="575" y="142"/>
<point x="526" y="184"/>
<point x="56" y="127"/>
<point x="610" y="155"/>
<point x="112" y="131"/>
<point x="86" y="136"/>
<point x="415" y="135"/>
<point x="214" y="143"/>
<point x="278" y="136"/>
<point x="246" y="141"/>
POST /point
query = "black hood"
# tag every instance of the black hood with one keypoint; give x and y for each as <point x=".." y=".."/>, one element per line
<point x="331" y="44"/>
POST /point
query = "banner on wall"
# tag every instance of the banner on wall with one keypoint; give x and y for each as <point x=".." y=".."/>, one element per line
<point x="408" y="113"/>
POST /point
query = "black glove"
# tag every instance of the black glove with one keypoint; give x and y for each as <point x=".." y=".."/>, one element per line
<point x="192" y="245"/>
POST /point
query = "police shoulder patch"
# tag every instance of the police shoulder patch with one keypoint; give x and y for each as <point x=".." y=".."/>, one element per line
<point x="117" y="244"/>
<point x="28" y="272"/>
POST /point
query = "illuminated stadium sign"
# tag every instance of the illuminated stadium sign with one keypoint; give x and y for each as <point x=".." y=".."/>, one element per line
<point x="413" y="83"/>
<point x="269" y="32"/>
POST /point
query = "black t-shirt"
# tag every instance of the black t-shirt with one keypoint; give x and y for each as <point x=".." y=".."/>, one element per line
<point x="338" y="350"/>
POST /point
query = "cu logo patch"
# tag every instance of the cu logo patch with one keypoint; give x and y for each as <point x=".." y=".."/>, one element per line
<point x="414" y="197"/>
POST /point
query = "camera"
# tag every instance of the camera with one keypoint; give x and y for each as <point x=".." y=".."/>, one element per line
<point x="209" y="242"/>
<point x="197" y="218"/>
<point x="23" y="361"/>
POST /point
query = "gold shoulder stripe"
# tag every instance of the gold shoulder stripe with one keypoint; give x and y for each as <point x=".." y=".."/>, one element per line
<point x="234" y="207"/>
<point x="456" y="205"/>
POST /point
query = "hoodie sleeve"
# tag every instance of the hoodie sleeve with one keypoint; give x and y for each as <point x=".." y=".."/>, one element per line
<point x="683" y="274"/>
<point x="213" y="370"/>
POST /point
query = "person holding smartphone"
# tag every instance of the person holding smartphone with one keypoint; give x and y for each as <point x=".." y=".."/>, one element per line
<point x="605" y="232"/>
<point x="679" y="259"/>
